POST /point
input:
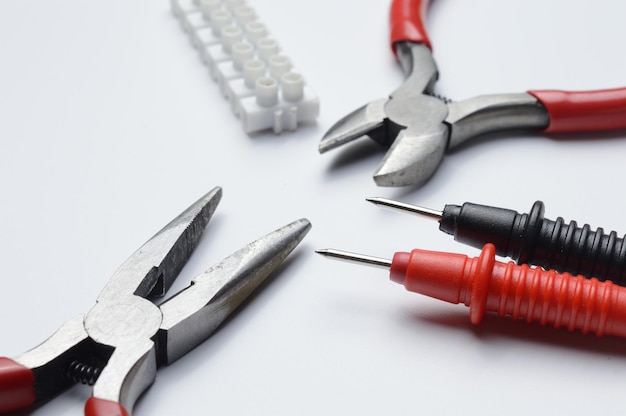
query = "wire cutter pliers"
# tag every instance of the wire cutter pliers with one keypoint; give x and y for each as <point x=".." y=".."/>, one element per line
<point x="119" y="344"/>
<point x="418" y="127"/>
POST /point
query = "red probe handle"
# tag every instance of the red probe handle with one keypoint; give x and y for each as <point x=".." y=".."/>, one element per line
<point x="533" y="294"/>
<point x="407" y="22"/>
<point x="572" y="111"/>
<point x="101" y="407"/>
<point x="17" y="386"/>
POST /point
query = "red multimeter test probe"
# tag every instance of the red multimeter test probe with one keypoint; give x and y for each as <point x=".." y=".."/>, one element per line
<point x="561" y="290"/>
<point x="487" y="285"/>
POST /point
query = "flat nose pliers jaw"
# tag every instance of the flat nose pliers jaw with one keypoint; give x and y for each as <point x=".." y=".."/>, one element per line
<point x="119" y="344"/>
<point x="418" y="127"/>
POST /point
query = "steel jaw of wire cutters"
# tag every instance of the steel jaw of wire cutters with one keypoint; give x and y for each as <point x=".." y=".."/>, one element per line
<point x="120" y="343"/>
<point x="419" y="127"/>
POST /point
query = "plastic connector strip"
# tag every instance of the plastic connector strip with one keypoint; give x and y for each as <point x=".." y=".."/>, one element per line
<point x="252" y="72"/>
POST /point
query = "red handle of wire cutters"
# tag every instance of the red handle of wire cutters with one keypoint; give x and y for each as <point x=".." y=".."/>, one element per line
<point x="16" y="386"/>
<point x="569" y="111"/>
<point x="407" y="22"/>
<point x="572" y="111"/>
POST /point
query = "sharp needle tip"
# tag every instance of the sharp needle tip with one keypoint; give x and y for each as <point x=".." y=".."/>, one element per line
<point x="355" y="258"/>
<point x="373" y="200"/>
<point x="401" y="206"/>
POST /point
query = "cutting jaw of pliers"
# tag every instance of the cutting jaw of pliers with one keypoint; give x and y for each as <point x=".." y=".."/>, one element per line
<point x="121" y="342"/>
<point x="419" y="127"/>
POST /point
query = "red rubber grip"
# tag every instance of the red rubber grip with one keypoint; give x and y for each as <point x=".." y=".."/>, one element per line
<point x="533" y="294"/>
<point x="407" y="22"/>
<point x="572" y="111"/>
<point x="16" y="386"/>
<point x="101" y="407"/>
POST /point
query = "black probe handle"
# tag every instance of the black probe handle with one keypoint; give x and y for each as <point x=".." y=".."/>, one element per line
<point x="531" y="239"/>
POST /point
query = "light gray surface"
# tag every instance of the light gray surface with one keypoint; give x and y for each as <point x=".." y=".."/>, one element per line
<point x="110" y="126"/>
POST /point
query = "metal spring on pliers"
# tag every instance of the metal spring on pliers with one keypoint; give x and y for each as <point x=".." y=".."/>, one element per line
<point x="80" y="372"/>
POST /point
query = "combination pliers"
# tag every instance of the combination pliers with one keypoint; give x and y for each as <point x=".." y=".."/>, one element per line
<point x="121" y="342"/>
<point x="419" y="127"/>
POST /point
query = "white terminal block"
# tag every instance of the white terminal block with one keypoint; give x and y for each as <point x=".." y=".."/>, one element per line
<point x="252" y="71"/>
<point x="284" y="110"/>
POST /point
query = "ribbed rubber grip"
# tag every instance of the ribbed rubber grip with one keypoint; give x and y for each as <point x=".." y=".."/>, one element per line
<point x="530" y="238"/>
<point x="568" y="248"/>
<point x="547" y="297"/>
<point x="519" y="291"/>
<point x="563" y="300"/>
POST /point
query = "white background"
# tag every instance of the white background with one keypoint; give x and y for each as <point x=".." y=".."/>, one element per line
<point x="110" y="126"/>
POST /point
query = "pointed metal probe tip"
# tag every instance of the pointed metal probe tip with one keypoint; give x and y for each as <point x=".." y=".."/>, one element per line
<point x="404" y="207"/>
<point x="355" y="258"/>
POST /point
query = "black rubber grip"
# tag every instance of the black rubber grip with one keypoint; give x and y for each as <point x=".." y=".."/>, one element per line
<point x="531" y="239"/>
